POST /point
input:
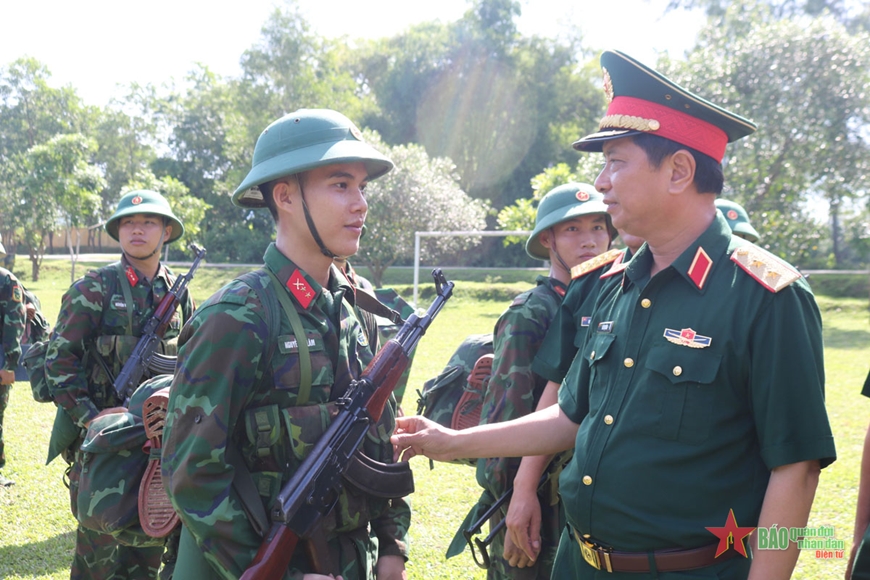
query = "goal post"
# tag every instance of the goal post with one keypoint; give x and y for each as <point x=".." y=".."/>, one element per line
<point x="446" y="234"/>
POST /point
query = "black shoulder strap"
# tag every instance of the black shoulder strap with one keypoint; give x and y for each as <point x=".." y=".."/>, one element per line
<point x="368" y="302"/>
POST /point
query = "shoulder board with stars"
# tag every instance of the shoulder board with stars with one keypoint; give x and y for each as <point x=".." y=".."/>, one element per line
<point x="767" y="269"/>
<point x="595" y="263"/>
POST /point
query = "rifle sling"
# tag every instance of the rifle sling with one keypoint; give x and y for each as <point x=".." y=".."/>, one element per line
<point x="247" y="491"/>
<point x="301" y="341"/>
<point x="384" y="480"/>
<point x="128" y="296"/>
<point x="370" y="303"/>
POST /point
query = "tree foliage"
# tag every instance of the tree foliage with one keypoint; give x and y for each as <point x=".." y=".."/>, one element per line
<point x="420" y="194"/>
<point x="803" y="81"/>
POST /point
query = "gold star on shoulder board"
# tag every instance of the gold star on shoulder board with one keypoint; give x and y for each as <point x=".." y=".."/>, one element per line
<point x="765" y="268"/>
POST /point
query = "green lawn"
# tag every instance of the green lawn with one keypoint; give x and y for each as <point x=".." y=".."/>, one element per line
<point x="36" y="528"/>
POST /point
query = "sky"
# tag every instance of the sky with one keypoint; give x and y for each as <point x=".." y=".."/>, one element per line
<point x="100" y="46"/>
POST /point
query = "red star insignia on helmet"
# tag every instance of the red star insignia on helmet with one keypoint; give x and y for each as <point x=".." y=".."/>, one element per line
<point x="582" y="196"/>
<point x="136" y="200"/>
<point x="732" y="215"/>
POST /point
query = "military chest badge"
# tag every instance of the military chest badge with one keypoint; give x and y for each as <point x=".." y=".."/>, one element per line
<point x="585" y="321"/>
<point x="606" y="326"/>
<point x="687" y="337"/>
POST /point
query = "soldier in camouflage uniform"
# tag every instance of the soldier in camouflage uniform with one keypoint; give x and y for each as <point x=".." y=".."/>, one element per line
<point x="100" y="320"/>
<point x="240" y="408"/>
<point x="571" y="227"/>
<point x="12" y="311"/>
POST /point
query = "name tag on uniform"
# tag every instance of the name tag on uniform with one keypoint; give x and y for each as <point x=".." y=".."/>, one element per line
<point x="288" y="344"/>
<point x="605" y="326"/>
<point x="118" y="302"/>
<point x="585" y="321"/>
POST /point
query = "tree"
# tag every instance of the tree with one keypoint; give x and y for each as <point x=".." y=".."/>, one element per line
<point x="55" y="186"/>
<point x="808" y="96"/>
<point x="420" y="194"/>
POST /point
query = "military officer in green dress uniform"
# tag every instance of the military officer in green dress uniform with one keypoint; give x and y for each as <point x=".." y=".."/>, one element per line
<point x="100" y="321"/>
<point x="738" y="219"/>
<point x="695" y="405"/>
<point x="571" y="228"/>
<point x="247" y="408"/>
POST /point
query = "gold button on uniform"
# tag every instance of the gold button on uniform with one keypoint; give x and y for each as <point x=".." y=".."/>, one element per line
<point x="608" y="419"/>
<point x="646" y="302"/>
<point x="587" y="480"/>
<point x="592" y="355"/>
<point x="678" y="370"/>
<point x="628" y="363"/>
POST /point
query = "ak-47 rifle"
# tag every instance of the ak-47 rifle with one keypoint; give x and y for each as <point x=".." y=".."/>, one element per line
<point x="145" y="355"/>
<point x="314" y="489"/>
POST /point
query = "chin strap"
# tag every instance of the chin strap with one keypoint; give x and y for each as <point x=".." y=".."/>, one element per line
<point x="556" y="251"/>
<point x="311" y="227"/>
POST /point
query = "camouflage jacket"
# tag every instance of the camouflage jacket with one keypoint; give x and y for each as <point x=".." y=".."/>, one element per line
<point x="568" y="329"/>
<point x="92" y="320"/>
<point x="12" y="309"/>
<point x="513" y="390"/>
<point x="226" y="394"/>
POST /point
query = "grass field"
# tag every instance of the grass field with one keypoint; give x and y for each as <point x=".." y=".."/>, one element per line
<point x="36" y="528"/>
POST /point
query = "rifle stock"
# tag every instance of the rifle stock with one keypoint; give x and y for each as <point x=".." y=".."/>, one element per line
<point x="131" y="374"/>
<point x="314" y="488"/>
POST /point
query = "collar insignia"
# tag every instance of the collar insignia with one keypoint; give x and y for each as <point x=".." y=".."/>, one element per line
<point x="700" y="268"/>
<point x="595" y="263"/>
<point x="300" y="289"/>
<point x="131" y="276"/>
<point x="687" y="337"/>
<point x="767" y="269"/>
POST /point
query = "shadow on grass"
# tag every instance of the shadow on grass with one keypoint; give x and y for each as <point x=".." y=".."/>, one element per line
<point x="38" y="558"/>
<point x="846" y="339"/>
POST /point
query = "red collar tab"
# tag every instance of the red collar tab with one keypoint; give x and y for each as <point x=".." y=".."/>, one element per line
<point x="617" y="267"/>
<point x="700" y="268"/>
<point x="559" y="290"/>
<point x="131" y="275"/>
<point x="300" y="289"/>
<point x="631" y="112"/>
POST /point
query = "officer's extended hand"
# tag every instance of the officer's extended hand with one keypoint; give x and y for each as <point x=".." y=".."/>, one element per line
<point x="523" y="523"/>
<point x="7" y="377"/>
<point x="514" y="556"/>
<point x="419" y="436"/>
<point x="391" y="568"/>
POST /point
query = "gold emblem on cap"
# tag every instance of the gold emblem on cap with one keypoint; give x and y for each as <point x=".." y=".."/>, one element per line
<point x="629" y="122"/>
<point x="608" y="85"/>
<point x="136" y="200"/>
<point x="356" y="133"/>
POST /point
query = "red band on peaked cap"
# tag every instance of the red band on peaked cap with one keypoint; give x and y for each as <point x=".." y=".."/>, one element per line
<point x="674" y="125"/>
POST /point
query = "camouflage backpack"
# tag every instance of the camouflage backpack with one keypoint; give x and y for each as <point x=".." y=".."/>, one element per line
<point x="455" y="396"/>
<point x="114" y="459"/>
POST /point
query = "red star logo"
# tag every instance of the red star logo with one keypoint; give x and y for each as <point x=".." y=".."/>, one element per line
<point x="687" y="334"/>
<point x="731" y="533"/>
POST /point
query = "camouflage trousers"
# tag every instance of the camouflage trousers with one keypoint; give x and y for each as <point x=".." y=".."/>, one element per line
<point x="4" y="401"/>
<point x="100" y="557"/>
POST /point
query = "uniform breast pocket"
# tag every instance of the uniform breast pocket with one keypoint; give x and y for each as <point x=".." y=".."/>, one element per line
<point x="594" y="352"/>
<point x="679" y="396"/>
<point x="286" y="367"/>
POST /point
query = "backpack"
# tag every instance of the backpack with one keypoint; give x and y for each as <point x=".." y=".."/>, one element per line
<point x="454" y="398"/>
<point x="115" y="455"/>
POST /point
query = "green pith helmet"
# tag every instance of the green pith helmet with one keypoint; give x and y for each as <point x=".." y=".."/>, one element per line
<point x="303" y="140"/>
<point x="737" y="219"/>
<point x="144" y="201"/>
<point x="561" y="204"/>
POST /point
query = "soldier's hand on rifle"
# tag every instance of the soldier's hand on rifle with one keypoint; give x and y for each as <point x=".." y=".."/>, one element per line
<point x="419" y="436"/>
<point x="391" y="568"/>
<point x="523" y="523"/>
<point x="514" y="555"/>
